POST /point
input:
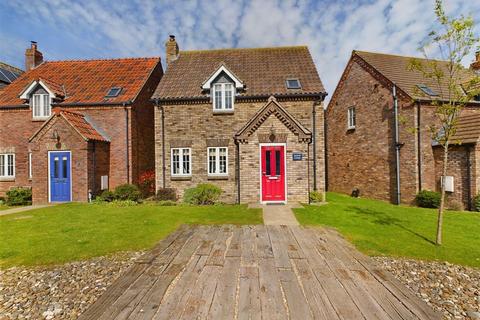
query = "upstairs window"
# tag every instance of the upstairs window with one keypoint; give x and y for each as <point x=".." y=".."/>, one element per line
<point x="293" y="84"/>
<point x="223" y="95"/>
<point x="113" y="92"/>
<point x="218" y="161"/>
<point x="7" y="165"/>
<point x="352" y="118"/>
<point x="41" y="106"/>
<point x="181" y="162"/>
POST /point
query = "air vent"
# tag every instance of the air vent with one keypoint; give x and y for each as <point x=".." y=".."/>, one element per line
<point x="293" y="84"/>
<point x="113" y="92"/>
<point x="427" y="90"/>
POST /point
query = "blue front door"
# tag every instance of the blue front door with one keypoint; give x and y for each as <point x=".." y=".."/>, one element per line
<point x="60" y="179"/>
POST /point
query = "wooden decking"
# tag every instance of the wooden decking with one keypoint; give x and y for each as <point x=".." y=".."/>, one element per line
<point x="256" y="272"/>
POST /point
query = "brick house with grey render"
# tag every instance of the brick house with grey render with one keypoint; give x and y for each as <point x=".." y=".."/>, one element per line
<point x="68" y="128"/>
<point x="361" y="148"/>
<point x="247" y="120"/>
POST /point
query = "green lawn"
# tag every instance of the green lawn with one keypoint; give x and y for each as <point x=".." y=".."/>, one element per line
<point x="78" y="231"/>
<point x="380" y="228"/>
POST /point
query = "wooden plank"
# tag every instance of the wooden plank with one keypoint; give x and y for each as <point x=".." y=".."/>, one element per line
<point x="249" y="295"/>
<point x="297" y="307"/>
<point x="294" y="251"/>
<point x="235" y="246"/>
<point x="206" y="245"/>
<point x="248" y="253"/>
<point x="224" y="301"/>
<point x="174" y="302"/>
<point x="217" y="255"/>
<point x="198" y="304"/>
<point x="279" y="248"/>
<point x="262" y="242"/>
<point x="271" y="298"/>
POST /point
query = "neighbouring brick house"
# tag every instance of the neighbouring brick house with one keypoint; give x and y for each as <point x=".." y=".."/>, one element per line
<point x="8" y="74"/>
<point x="248" y="120"/>
<point x="360" y="131"/>
<point x="67" y="127"/>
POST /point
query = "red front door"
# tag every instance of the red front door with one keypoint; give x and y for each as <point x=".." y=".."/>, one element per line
<point x="273" y="173"/>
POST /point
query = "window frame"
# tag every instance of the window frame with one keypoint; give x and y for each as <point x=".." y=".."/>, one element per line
<point x="351" y="115"/>
<point x="5" y="166"/>
<point x="223" y="98"/>
<point x="217" y="172"/>
<point x="41" y="106"/>
<point x="180" y="161"/>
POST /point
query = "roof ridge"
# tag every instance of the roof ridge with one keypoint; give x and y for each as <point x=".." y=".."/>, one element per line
<point x="246" y="49"/>
<point x="103" y="59"/>
<point x="397" y="55"/>
<point x="6" y="65"/>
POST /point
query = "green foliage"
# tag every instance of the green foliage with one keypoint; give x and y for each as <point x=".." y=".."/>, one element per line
<point x="127" y="192"/>
<point x="316" y="196"/>
<point x="166" y="194"/>
<point x="106" y="195"/>
<point x="202" y="194"/>
<point x="19" y="197"/>
<point x="122" y="203"/>
<point x="428" y="199"/>
<point x="476" y="202"/>
<point x="166" y="203"/>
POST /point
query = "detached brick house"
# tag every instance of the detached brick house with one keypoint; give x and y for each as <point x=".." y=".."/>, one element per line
<point x="248" y="120"/>
<point x="70" y="127"/>
<point x="361" y="143"/>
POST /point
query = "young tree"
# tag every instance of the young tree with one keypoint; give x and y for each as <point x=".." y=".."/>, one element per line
<point x="454" y="39"/>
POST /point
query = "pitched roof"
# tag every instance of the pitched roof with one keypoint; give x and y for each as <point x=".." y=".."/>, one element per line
<point x="86" y="81"/>
<point x="262" y="70"/>
<point x="79" y="123"/>
<point x="395" y="69"/>
<point x="468" y="129"/>
<point x="9" y="73"/>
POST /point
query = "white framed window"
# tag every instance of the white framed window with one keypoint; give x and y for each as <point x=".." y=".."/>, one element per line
<point x="181" y="161"/>
<point x="7" y="165"/>
<point x="352" y="118"/>
<point x="217" y="161"/>
<point x="41" y="106"/>
<point x="223" y="95"/>
<point x="30" y="173"/>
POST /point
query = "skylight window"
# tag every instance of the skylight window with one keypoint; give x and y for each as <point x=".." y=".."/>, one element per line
<point x="113" y="92"/>
<point x="293" y="84"/>
<point x="427" y="90"/>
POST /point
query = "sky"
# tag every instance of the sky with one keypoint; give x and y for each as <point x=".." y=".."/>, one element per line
<point x="88" y="29"/>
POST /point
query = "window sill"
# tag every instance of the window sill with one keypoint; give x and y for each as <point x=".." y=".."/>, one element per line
<point x="181" y="178"/>
<point x="39" y="119"/>
<point x="223" y="111"/>
<point x="7" y="178"/>
<point x="351" y="129"/>
<point x="222" y="177"/>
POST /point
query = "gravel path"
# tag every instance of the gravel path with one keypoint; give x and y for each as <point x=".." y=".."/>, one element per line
<point x="451" y="289"/>
<point x="58" y="292"/>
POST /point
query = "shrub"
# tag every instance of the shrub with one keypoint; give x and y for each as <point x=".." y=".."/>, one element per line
<point x="455" y="205"/>
<point x="19" y="197"/>
<point x="316" y="196"/>
<point x="146" y="182"/>
<point x="166" y="203"/>
<point x="166" y="194"/>
<point x="202" y="194"/>
<point x="476" y="202"/>
<point x="122" y="203"/>
<point x="107" y="196"/>
<point x="127" y="192"/>
<point x="428" y="199"/>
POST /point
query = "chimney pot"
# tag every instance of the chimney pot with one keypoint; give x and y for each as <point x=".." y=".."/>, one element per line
<point x="172" y="50"/>
<point x="33" y="57"/>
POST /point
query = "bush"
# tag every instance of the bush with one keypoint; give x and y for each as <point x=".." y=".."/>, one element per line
<point x="455" y="205"/>
<point x="166" y="203"/>
<point x="166" y="194"/>
<point x="316" y="196"/>
<point x="476" y="202"/>
<point x="19" y="197"/>
<point x="146" y="182"/>
<point x="202" y="194"/>
<point x="127" y="192"/>
<point x="122" y="203"/>
<point x="107" y="196"/>
<point x="428" y="199"/>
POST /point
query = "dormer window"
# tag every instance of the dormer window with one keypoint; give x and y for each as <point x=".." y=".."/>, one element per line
<point x="41" y="105"/>
<point x="223" y="95"/>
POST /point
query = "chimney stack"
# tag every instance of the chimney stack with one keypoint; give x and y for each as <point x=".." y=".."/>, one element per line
<point x="171" y="48"/>
<point x="475" y="66"/>
<point x="33" y="57"/>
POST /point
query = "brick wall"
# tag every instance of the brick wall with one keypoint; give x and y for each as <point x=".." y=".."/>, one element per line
<point x="195" y="123"/>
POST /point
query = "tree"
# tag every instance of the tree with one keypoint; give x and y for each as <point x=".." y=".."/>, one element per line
<point x="454" y="39"/>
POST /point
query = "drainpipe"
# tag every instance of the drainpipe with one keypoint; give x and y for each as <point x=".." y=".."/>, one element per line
<point x="469" y="179"/>
<point x="237" y="160"/>
<point x="127" y="151"/>
<point x="314" y="141"/>
<point x="94" y="164"/>
<point x="397" y="143"/>
<point x="308" y="170"/>
<point x="419" y="145"/>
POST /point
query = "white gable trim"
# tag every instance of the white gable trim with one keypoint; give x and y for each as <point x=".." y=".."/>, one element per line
<point x="26" y="93"/>
<point x="207" y="85"/>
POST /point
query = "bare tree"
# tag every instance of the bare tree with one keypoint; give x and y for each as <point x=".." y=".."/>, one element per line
<point x="454" y="39"/>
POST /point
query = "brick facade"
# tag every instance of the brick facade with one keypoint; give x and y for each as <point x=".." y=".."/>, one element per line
<point x="195" y="124"/>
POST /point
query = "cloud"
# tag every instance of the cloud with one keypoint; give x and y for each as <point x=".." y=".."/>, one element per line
<point x="332" y="29"/>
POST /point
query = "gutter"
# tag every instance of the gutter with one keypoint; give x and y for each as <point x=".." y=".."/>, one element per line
<point x="321" y="96"/>
<point x="397" y="144"/>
